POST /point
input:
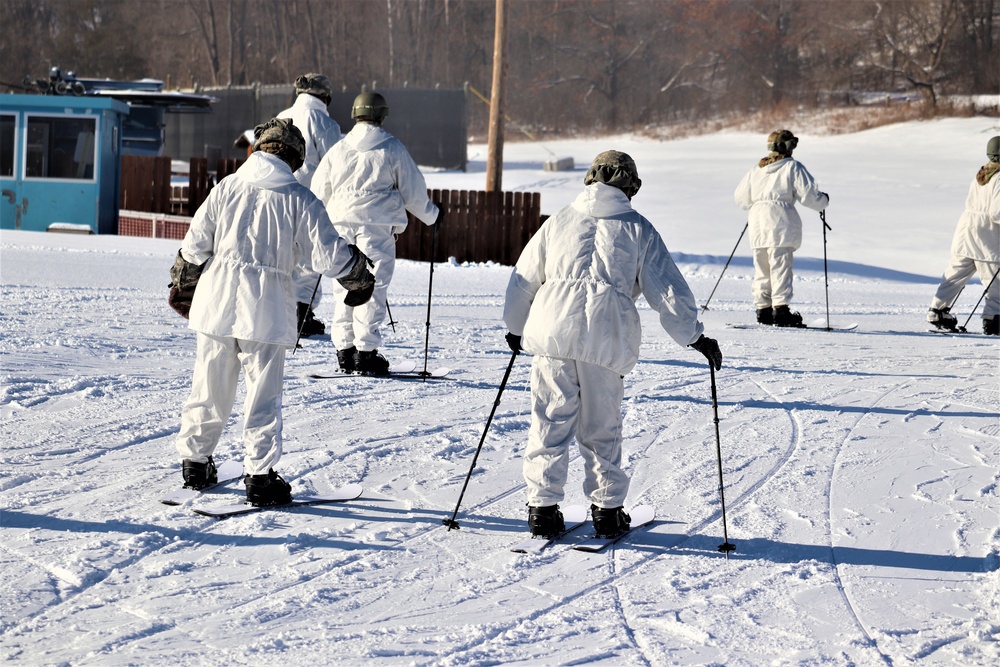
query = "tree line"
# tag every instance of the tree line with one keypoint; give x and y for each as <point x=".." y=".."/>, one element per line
<point x="574" y="65"/>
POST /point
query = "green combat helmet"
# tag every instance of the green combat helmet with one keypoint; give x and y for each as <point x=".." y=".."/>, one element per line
<point x="993" y="149"/>
<point x="370" y="107"/>
<point x="782" y="141"/>
<point x="616" y="169"/>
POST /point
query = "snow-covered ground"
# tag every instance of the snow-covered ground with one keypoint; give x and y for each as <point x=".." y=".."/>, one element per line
<point x="861" y="468"/>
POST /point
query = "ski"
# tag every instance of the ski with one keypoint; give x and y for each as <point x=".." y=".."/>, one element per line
<point x="960" y="333"/>
<point x="821" y="326"/>
<point x="642" y="515"/>
<point x="434" y="374"/>
<point x="574" y="516"/>
<point x="404" y="370"/>
<point x="342" y="494"/>
<point x="226" y="472"/>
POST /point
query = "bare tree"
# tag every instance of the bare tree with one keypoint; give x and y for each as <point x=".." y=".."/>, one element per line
<point x="913" y="40"/>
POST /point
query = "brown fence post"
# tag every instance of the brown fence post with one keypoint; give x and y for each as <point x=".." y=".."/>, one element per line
<point x="198" y="183"/>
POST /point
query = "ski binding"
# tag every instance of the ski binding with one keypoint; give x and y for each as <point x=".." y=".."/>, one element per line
<point x="642" y="515"/>
<point x="226" y="472"/>
<point x="574" y="516"/>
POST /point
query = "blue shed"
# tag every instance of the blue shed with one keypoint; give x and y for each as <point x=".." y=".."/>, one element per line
<point x="60" y="161"/>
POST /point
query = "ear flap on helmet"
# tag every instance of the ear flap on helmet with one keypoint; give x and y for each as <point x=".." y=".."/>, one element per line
<point x="782" y="141"/>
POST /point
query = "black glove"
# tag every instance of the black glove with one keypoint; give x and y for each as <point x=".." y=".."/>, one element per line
<point x="438" y="220"/>
<point x="827" y="197"/>
<point x="710" y="349"/>
<point x="184" y="277"/>
<point x="514" y="342"/>
<point x="359" y="281"/>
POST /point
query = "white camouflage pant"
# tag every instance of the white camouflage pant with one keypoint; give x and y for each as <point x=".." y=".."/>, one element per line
<point x="360" y="327"/>
<point x="772" y="279"/>
<point x="959" y="272"/>
<point x="574" y="400"/>
<point x="217" y="368"/>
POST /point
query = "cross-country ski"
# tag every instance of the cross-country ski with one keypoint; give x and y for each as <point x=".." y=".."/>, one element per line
<point x="813" y="326"/>
<point x="223" y="511"/>
<point x="403" y="371"/>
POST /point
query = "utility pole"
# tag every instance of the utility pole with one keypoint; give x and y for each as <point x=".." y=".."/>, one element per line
<point x="494" y="159"/>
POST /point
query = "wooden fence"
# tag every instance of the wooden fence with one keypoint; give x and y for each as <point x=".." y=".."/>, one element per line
<point x="146" y="184"/>
<point x="477" y="227"/>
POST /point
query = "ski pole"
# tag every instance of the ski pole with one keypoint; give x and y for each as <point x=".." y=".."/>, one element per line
<point x="388" y="311"/>
<point x="988" y="286"/>
<point x="826" y="275"/>
<point x="430" y="289"/>
<point x="302" y="326"/>
<point x="726" y="545"/>
<point x="705" y="307"/>
<point x="451" y="523"/>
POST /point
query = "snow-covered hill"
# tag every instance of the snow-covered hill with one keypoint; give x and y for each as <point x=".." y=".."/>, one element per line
<point x="861" y="468"/>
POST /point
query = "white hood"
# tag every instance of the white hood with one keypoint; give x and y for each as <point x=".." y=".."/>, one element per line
<point x="366" y="136"/>
<point x="599" y="200"/>
<point x="266" y="171"/>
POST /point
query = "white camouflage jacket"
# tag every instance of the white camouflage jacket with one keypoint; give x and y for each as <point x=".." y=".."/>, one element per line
<point x="770" y="193"/>
<point x="978" y="233"/>
<point x="573" y="291"/>
<point x="369" y="178"/>
<point x="253" y="228"/>
<point x="321" y="132"/>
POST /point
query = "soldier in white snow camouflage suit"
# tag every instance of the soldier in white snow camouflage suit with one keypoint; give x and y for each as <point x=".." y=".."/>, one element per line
<point x="313" y="93"/>
<point x="235" y="271"/>
<point x="571" y="303"/>
<point x="368" y="182"/>
<point x="975" y="248"/>
<point x="769" y="191"/>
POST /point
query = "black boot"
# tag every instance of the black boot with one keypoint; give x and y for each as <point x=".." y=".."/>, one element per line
<point x="308" y="324"/>
<point x="370" y="363"/>
<point x="545" y="521"/>
<point x="269" y="489"/>
<point x="991" y="325"/>
<point x="783" y="317"/>
<point x="199" y="475"/>
<point x="609" y="522"/>
<point x="765" y="316"/>
<point x="942" y="318"/>
<point x="346" y="359"/>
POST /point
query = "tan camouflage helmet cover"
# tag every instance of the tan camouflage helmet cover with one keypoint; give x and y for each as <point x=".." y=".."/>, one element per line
<point x="782" y="141"/>
<point x="616" y="169"/>
<point x="314" y="84"/>
<point x="280" y="137"/>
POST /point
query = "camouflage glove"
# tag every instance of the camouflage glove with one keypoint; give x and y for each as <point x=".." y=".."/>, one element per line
<point x="359" y="281"/>
<point x="184" y="278"/>
<point x="710" y="348"/>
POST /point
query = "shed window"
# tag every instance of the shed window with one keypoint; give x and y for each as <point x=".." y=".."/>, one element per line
<point x="6" y="146"/>
<point x="61" y="147"/>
